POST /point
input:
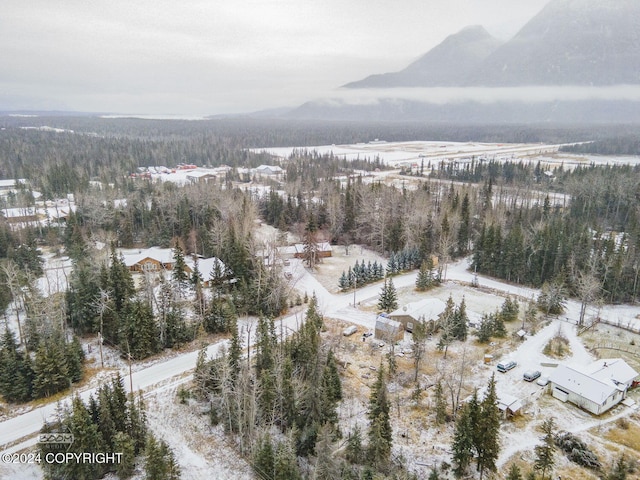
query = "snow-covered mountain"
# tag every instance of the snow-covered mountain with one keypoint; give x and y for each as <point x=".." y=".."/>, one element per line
<point x="447" y="64"/>
<point x="570" y="42"/>
<point x="575" y="61"/>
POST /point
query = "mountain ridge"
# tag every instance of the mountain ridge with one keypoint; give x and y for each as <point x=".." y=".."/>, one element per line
<point x="446" y="64"/>
<point x="569" y="42"/>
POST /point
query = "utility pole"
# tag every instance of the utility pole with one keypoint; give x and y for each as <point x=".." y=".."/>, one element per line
<point x="100" y="343"/>
<point x="130" y="375"/>
<point x="355" y="285"/>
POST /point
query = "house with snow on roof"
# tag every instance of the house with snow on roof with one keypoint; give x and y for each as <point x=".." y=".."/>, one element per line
<point x="12" y="185"/>
<point x="209" y="268"/>
<point x="595" y="388"/>
<point x="410" y="314"/>
<point x="201" y="176"/>
<point x="152" y="259"/>
<point x="268" y="170"/>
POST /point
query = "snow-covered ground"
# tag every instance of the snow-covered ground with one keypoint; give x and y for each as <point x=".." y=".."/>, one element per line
<point x="56" y="273"/>
<point x="201" y="450"/>
<point x="161" y="379"/>
<point x="398" y="154"/>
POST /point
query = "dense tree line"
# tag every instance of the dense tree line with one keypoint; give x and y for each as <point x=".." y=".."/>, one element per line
<point x="109" y="423"/>
<point x="282" y="132"/>
<point x="615" y="145"/>
<point x="280" y="406"/>
<point x="561" y="248"/>
<point x="46" y="358"/>
<point x="360" y="275"/>
<point x="107" y="149"/>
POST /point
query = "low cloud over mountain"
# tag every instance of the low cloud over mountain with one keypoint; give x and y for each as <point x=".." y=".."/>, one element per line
<point x="575" y="61"/>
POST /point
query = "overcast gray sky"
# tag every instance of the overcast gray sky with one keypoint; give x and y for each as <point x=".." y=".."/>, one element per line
<point x="213" y="56"/>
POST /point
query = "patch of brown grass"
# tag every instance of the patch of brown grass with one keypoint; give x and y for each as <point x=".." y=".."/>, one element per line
<point x="89" y="373"/>
<point x="521" y="421"/>
<point x="558" y="347"/>
<point x="629" y="436"/>
<point x="575" y="471"/>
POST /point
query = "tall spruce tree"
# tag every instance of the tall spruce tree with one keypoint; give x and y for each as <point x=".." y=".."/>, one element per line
<point x="460" y="320"/>
<point x="354" y="451"/>
<point x="50" y="368"/>
<point x="160" y="462"/>
<point x="286" y="462"/>
<point x="120" y="282"/>
<point x="83" y="297"/>
<point x="487" y="438"/>
<point x="509" y="310"/>
<point x="545" y="453"/>
<point x="463" y="441"/>
<point x="440" y="404"/>
<point x="86" y="438"/>
<point x="179" y="273"/>
<point x="388" y="300"/>
<point x="447" y="326"/>
<point x="425" y="279"/>
<point x="380" y="433"/>
<point x="264" y="458"/>
<point x="514" y="472"/>
<point x="139" y="335"/>
<point x="16" y="372"/>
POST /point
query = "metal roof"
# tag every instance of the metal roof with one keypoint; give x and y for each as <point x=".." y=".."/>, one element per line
<point x="594" y="382"/>
<point x="429" y="308"/>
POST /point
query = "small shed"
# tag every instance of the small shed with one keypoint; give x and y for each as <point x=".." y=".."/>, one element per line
<point x="508" y="404"/>
<point x="388" y="330"/>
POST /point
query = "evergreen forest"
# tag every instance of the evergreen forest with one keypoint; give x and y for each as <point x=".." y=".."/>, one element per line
<point x="571" y="231"/>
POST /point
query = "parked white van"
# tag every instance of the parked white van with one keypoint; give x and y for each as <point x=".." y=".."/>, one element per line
<point x="504" y="367"/>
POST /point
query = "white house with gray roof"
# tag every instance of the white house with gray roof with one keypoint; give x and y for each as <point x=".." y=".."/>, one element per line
<point x="596" y="387"/>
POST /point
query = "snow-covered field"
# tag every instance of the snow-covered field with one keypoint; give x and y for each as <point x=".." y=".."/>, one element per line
<point x="397" y="154"/>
